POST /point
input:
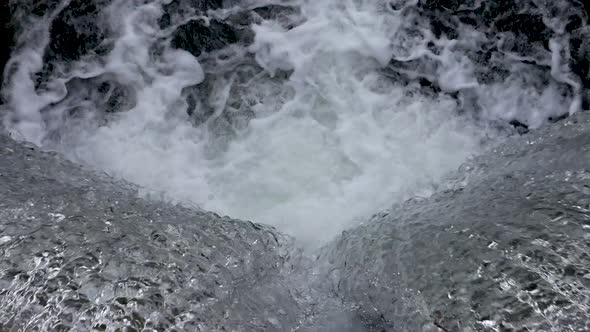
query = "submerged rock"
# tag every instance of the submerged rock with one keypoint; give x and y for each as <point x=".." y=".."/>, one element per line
<point x="77" y="30"/>
<point x="507" y="251"/>
<point x="79" y="251"/>
<point x="196" y="37"/>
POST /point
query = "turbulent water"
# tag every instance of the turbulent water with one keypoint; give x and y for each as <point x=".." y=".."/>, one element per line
<point x="505" y="248"/>
<point x="305" y="115"/>
<point x="80" y="252"/>
<point x="311" y="116"/>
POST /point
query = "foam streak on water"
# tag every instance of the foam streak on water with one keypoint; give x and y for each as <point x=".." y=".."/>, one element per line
<point x="306" y="124"/>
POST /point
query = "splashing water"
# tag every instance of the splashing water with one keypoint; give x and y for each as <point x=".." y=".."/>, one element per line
<point x="308" y="115"/>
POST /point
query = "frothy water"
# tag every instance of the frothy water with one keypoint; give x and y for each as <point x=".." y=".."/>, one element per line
<point x="311" y="116"/>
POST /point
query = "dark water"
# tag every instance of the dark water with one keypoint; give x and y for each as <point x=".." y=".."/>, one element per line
<point x="308" y="117"/>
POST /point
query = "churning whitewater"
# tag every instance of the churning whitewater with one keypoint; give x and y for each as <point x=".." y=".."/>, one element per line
<point x="422" y="157"/>
<point x="305" y="115"/>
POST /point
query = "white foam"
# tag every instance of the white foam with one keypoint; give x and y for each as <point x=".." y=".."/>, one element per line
<point x="326" y="148"/>
<point x="347" y="144"/>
